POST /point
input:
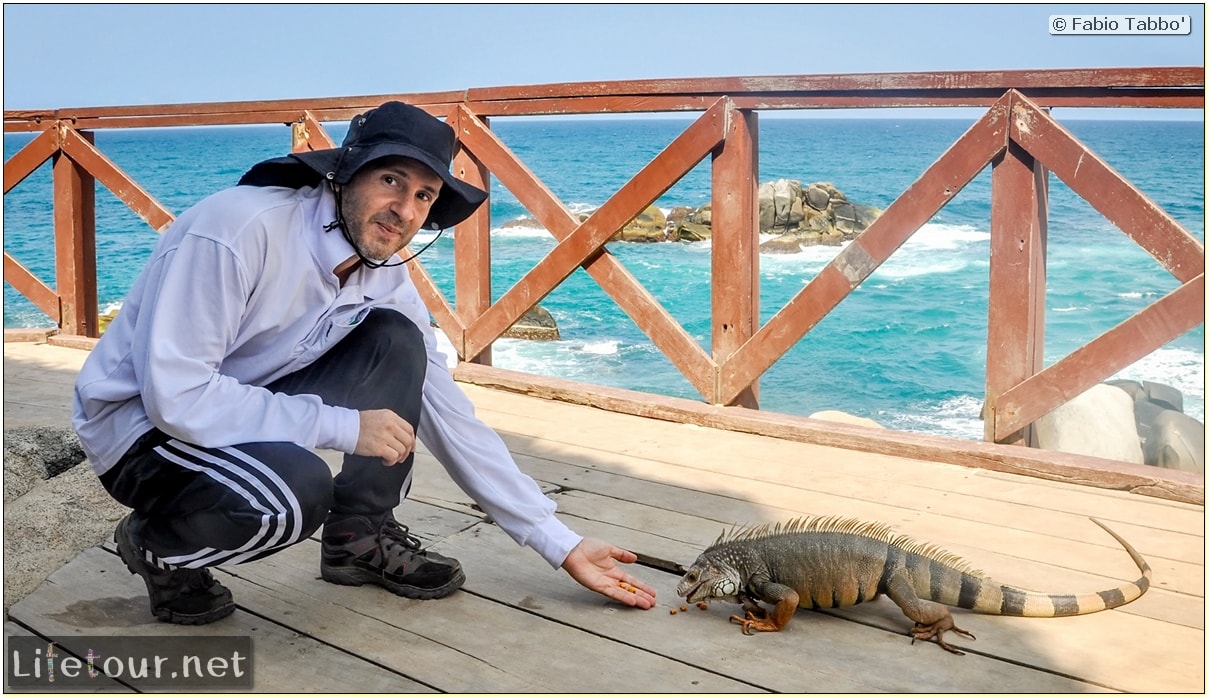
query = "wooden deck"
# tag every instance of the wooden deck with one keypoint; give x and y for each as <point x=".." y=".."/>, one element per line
<point x="666" y="491"/>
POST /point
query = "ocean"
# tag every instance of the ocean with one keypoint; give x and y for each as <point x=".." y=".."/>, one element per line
<point x="906" y="349"/>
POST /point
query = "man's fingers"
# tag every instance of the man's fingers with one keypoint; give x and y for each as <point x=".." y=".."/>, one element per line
<point x="385" y="435"/>
<point x="623" y="555"/>
<point x="633" y="592"/>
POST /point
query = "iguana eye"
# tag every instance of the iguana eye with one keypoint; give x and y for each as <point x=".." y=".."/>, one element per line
<point x="691" y="577"/>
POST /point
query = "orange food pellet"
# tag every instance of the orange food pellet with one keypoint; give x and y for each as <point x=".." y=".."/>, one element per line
<point x="684" y="608"/>
<point x="673" y="611"/>
<point x="702" y="605"/>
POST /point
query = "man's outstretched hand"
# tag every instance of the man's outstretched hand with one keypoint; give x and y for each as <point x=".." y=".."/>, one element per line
<point x="593" y="563"/>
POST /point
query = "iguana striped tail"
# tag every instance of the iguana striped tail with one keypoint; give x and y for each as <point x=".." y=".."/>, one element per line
<point x="983" y="595"/>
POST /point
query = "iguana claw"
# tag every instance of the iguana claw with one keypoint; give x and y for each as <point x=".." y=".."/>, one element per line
<point x="762" y="624"/>
<point x="937" y="630"/>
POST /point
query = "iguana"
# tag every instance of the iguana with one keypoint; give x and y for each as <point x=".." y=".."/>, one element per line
<point x="833" y="562"/>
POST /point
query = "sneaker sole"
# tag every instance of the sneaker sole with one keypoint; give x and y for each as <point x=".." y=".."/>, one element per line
<point x="125" y="551"/>
<point x="354" y="577"/>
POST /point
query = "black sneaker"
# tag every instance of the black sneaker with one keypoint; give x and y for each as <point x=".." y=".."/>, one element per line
<point x="184" y="596"/>
<point x="363" y="550"/>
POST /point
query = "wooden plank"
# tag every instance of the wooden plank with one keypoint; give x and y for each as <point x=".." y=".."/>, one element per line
<point x="1026" y="561"/>
<point x="308" y="134"/>
<point x="822" y="653"/>
<point x="584" y="432"/>
<point x="1172" y="662"/>
<point x="1016" y="306"/>
<point x="75" y="228"/>
<point x="34" y="289"/>
<point x="82" y="151"/>
<point x="1191" y="76"/>
<point x="896" y="99"/>
<point x="27" y="160"/>
<point x="646" y="451"/>
<point x="431" y="489"/>
<point x="323" y="108"/>
<point x="1162" y="82"/>
<point x="446" y="317"/>
<point x="642" y="509"/>
<point x="735" y="250"/>
<point x="1107" y="191"/>
<point x="850" y="489"/>
<point x="367" y="622"/>
<point x="1061" y="564"/>
<point x="1074" y="97"/>
<point x="464" y="642"/>
<point x="730" y="499"/>
<point x="472" y="242"/>
<point x="1053" y="465"/>
<point x="94" y="595"/>
<point x="29" y="334"/>
<point x="100" y="684"/>
<point x="1083" y="647"/>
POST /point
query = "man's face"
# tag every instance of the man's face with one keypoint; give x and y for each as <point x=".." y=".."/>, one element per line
<point x="386" y="202"/>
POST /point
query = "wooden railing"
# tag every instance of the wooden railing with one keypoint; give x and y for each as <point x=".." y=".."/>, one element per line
<point x="1016" y="136"/>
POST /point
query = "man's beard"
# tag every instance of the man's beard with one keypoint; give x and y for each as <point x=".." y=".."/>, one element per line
<point x="361" y="227"/>
<point x="362" y="234"/>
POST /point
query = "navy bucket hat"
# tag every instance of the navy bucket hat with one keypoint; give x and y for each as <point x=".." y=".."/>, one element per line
<point x="393" y="128"/>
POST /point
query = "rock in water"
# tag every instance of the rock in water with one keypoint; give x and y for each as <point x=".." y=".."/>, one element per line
<point x="537" y="323"/>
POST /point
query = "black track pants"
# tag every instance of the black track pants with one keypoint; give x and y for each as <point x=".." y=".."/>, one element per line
<point x="196" y="507"/>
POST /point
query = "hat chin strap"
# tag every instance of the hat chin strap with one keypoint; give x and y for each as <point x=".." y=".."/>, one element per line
<point x="343" y="226"/>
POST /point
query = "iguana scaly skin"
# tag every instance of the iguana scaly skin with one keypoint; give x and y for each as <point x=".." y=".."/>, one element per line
<point x="833" y="562"/>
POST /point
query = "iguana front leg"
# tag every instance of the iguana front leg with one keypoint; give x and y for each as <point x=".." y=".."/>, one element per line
<point x="786" y="600"/>
<point x="932" y="619"/>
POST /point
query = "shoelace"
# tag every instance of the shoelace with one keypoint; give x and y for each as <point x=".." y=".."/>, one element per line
<point x="393" y="532"/>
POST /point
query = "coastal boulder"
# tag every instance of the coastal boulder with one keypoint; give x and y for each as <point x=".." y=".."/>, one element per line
<point x="1176" y="441"/>
<point x="817" y="196"/>
<point x="1098" y="422"/>
<point x="536" y="323"/>
<point x="818" y="214"/>
<point x="780" y="204"/>
<point x="1168" y="437"/>
<point x="691" y="232"/>
<point x="845" y="418"/>
<point x="36" y="453"/>
<point x="649" y="226"/>
<point x="686" y="224"/>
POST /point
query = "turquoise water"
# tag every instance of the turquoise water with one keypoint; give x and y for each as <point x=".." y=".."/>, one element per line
<point x="907" y="348"/>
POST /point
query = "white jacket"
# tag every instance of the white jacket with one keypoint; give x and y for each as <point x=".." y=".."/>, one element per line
<point x="240" y="292"/>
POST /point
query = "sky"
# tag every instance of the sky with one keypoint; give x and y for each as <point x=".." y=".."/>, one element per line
<point x="85" y="55"/>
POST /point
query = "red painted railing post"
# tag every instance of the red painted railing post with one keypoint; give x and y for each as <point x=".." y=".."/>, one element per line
<point x="472" y="245"/>
<point x="75" y="243"/>
<point x="736" y="247"/>
<point x="1016" y="304"/>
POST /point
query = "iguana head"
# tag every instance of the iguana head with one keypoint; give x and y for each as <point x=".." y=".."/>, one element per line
<point x="710" y="578"/>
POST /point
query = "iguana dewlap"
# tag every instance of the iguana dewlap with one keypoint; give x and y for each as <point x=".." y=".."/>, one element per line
<point x="832" y="562"/>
